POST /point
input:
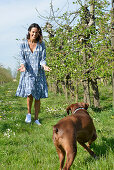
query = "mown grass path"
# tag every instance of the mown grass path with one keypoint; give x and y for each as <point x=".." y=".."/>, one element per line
<point x="30" y="147"/>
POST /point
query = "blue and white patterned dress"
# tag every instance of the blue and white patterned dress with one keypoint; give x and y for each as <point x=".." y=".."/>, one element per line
<point x="33" y="80"/>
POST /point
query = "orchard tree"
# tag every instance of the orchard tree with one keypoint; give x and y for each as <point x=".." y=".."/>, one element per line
<point x="5" y="75"/>
<point x="79" y="47"/>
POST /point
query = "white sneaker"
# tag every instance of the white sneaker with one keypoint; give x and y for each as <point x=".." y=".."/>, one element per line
<point x="28" y="118"/>
<point x="37" y="122"/>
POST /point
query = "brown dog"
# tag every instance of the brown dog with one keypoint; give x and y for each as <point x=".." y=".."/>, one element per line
<point x="76" y="127"/>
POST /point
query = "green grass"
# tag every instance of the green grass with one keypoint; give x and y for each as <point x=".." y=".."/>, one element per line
<point x="30" y="147"/>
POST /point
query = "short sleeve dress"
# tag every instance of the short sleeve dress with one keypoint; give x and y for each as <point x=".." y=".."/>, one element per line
<point x="33" y="80"/>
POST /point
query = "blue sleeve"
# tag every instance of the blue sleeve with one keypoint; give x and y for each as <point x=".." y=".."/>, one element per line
<point x="43" y="60"/>
<point x="21" y="54"/>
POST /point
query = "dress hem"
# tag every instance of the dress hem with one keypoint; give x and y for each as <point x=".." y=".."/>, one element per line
<point x="32" y="95"/>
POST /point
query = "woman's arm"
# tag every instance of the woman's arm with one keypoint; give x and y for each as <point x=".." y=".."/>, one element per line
<point x="46" y="68"/>
<point x="22" y="58"/>
<point x="43" y="61"/>
<point x="22" y="68"/>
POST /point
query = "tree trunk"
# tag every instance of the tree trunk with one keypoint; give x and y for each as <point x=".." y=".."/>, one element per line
<point x="66" y="91"/>
<point x="86" y="92"/>
<point x="87" y="24"/>
<point x="86" y="81"/>
<point x="76" y="91"/>
<point x="95" y="92"/>
<point x="93" y="81"/>
<point x="65" y="88"/>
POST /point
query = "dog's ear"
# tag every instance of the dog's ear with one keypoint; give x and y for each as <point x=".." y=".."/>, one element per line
<point x="86" y="106"/>
<point x="68" y="109"/>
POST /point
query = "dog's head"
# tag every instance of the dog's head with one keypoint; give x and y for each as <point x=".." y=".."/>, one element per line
<point x="83" y="105"/>
<point x="75" y="106"/>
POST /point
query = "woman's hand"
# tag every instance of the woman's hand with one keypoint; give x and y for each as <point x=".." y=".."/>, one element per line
<point x="22" y="68"/>
<point x="46" y="68"/>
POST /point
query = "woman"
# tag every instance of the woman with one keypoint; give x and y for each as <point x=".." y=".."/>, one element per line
<point x="32" y="82"/>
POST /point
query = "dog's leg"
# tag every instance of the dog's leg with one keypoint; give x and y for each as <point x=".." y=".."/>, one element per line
<point x="70" y="156"/>
<point x="88" y="149"/>
<point x="61" y="154"/>
<point x="94" y="137"/>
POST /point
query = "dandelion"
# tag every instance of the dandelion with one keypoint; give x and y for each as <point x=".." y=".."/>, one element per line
<point x="9" y="91"/>
<point x="112" y="117"/>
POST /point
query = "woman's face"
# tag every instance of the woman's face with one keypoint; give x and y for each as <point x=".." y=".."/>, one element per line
<point x="33" y="33"/>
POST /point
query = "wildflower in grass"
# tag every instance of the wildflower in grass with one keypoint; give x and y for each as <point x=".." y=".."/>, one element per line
<point x="9" y="91"/>
<point x="55" y="110"/>
<point x="51" y="110"/>
<point x="8" y="133"/>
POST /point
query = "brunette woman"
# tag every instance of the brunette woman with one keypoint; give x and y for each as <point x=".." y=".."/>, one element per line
<point x="32" y="82"/>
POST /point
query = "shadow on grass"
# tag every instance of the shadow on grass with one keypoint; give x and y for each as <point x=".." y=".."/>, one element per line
<point x="101" y="150"/>
<point x="104" y="106"/>
<point x="105" y="146"/>
<point x="96" y="109"/>
<point x="4" y="126"/>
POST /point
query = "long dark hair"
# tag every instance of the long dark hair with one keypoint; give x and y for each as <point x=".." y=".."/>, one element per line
<point x="39" y="38"/>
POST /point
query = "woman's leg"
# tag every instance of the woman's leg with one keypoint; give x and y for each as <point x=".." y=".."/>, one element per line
<point x="29" y="106"/>
<point x="29" y="103"/>
<point x="37" y="108"/>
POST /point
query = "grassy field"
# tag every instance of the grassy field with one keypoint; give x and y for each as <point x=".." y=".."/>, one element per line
<point x="30" y="147"/>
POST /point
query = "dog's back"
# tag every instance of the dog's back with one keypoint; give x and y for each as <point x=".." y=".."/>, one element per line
<point x="80" y="122"/>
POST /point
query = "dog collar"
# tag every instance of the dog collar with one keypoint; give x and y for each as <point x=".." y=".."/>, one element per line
<point x="78" y="109"/>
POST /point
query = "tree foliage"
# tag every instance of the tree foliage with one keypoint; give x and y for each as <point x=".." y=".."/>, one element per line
<point x="5" y="75"/>
<point x="65" y="48"/>
<point x="79" y="43"/>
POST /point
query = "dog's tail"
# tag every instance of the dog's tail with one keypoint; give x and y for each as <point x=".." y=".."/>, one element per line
<point x="68" y="109"/>
<point x="55" y="129"/>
